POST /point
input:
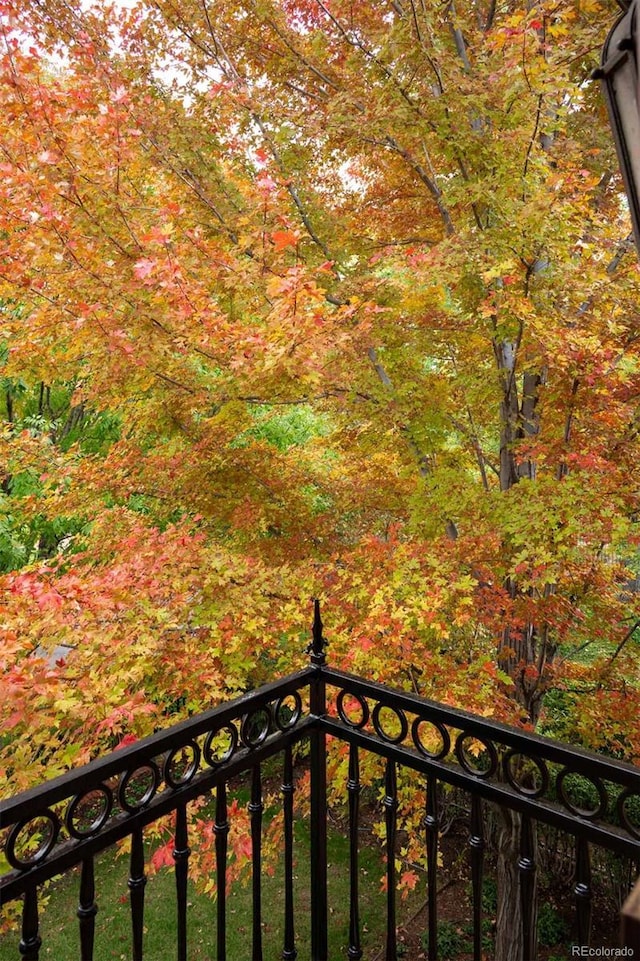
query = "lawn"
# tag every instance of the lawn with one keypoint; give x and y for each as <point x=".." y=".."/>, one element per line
<point x="59" y="928"/>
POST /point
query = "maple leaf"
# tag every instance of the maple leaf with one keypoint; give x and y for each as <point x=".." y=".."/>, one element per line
<point x="119" y="95"/>
<point x="163" y="856"/>
<point x="158" y="234"/>
<point x="266" y="183"/>
<point x="284" y="238"/>
<point x="144" y="268"/>
<point x="407" y="882"/>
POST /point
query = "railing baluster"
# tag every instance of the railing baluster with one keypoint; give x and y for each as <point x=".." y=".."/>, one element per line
<point x="527" y="868"/>
<point x="137" y="882"/>
<point x="354" y="787"/>
<point x="87" y="910"/>
<point x="582" y="891"/>
<point x="431" y="826"/>
<point x="476" y="844"/>
<point x="221" y="830"/>
<point x="181" y="854"/>
<point x="256" y="808"/>
<point x="391" y="809"/>
<point x="30" y="941"/>
<point x="289" y="952"/>
<point x="318" y="812"/>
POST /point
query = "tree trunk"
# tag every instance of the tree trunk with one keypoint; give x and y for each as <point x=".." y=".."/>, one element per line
<point x="510" y="942"/>
<point x="516" y="921"/>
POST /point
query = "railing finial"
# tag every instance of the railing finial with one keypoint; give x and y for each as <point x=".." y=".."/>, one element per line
<point x="318" y="643"/>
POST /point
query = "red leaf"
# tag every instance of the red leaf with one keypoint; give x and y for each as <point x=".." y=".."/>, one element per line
<point x="126" y="741"/>
<point x="143" y="268"/>
<point x="162" y="856"/>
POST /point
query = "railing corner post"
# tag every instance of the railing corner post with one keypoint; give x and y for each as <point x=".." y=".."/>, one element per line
<point x="318" y="708"/>
<point x="318" y="644"/>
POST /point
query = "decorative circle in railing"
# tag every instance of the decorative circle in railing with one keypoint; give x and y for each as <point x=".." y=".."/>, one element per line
<point x="137" y="787"/>
<point x="345" y="705"/>
<point x="390" y="726"/>
<point x="628" y="807"/>
<point x="88" y="812"/>
<point x="255" y="727"/>
<point x="220" y="745"/>
<point x="527" y="775"/>
<point x="582" y="795"/>
<point x="476" y="755"/>
<point x="31" y="840"/>
<point x="181" y="764"/>
<point x="426" y="740"/>
<point x="287" y="711"/>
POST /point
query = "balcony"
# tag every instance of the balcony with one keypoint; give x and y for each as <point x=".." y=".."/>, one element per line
<point x="79" y="815"/>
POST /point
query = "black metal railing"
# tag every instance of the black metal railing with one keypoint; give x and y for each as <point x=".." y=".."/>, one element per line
<point x="78" y="815"/>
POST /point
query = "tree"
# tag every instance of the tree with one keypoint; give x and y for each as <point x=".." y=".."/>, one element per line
<point x="355" y="280"/>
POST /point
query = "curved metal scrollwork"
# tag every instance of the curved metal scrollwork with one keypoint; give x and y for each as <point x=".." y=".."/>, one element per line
<point x="132" y="797"/>
<point x="418" y="739"/>
<point x="255" y="727"/>
<point x="281" y="706"/>
<point x="398" y="717"/>
<point x="173" y="776"/>
<point x="590" y="814"/>
<point x="208" y="750"/>
<point x="343" y="713"/>
<point x="19" y="838"/>
<point x="98" y="813"/>
<point x="463" y="759"/>
<point x="527" y="764"/>
<point x="630" y="825"/>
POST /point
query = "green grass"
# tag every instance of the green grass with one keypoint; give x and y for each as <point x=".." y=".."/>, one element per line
<point x="59" y="927"/>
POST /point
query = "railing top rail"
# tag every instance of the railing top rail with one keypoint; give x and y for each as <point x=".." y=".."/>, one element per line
<point x="27" y="804"/>
<point x="582" y="761"/>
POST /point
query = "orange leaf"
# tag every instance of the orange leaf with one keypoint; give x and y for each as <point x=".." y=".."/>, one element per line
<point x="284" y="238"/>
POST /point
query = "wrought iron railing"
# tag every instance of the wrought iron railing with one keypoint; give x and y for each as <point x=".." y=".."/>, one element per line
<point x="78" y="815"/>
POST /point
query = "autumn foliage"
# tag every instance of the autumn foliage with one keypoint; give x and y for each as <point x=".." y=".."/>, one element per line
<point x="312" y="299"/>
